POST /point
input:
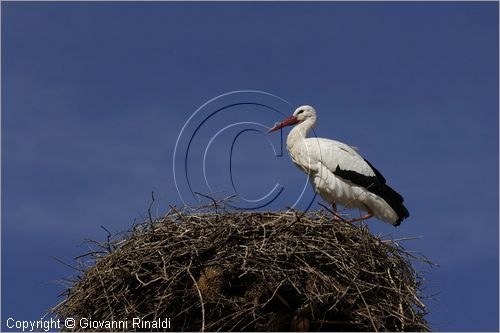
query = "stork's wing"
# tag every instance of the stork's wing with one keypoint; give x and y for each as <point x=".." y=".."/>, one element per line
<point x="335" y="155"/>
<point x="346" y="163"/>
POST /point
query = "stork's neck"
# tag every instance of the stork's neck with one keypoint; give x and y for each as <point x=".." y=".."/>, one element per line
<point x="299" y="132"/>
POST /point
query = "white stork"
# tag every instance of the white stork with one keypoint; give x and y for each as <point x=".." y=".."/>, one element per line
<point x="338" y="173"/>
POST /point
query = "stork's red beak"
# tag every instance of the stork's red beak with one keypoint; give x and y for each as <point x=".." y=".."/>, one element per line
<point x="292" y="120"/>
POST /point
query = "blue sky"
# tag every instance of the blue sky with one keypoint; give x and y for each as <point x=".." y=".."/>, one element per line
<point x="94" y="96"/>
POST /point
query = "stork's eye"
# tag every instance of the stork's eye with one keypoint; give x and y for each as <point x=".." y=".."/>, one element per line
<point x="300" y="111"/>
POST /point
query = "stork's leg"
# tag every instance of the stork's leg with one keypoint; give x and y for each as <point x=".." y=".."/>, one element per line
<point x="335" y="213"/>
<point x="337" y="217"/>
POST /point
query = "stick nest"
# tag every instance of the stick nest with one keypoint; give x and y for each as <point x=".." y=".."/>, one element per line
<point x="220" y="270"/>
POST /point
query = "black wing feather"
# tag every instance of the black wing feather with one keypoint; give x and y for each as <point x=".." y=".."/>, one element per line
<point x="377" y="185"/>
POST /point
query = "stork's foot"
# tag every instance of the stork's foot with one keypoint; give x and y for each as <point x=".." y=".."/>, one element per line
<point x="361" y="218"/>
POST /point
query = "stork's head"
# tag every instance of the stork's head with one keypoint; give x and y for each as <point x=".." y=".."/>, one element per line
<point x="301" y="114"/>
<point x="304" y="112"/>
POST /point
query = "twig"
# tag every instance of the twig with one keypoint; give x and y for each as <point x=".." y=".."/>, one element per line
<point x="150" y="206"/>
<point x="108" y="241"/>
<point x="208" y="197"/>
<point x="201" y="297"/>
<point x="66" y="264"/>
<point x="90" y="254"/>
<point x="367" y="308"/>
<point x="277" y="294"/>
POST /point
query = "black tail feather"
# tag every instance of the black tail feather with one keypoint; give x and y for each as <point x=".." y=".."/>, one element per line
<point x="395" y="200"/>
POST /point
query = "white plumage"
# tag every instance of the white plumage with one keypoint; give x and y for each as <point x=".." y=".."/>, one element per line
<point x="338" y="173"/>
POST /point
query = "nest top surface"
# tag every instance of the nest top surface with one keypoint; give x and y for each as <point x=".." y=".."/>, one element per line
<point x="223" y="270"/>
